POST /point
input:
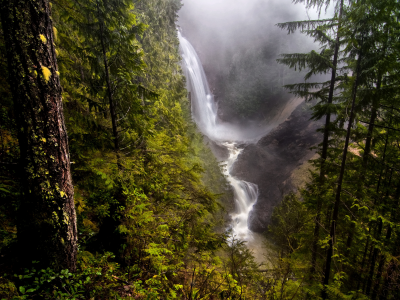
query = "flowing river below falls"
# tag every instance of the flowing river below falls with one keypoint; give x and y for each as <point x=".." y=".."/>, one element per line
<point x="229" y="136"/>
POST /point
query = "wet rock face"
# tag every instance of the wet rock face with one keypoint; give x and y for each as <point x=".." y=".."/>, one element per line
<point x="220" y="152"/>
<point x="271" y="161"/>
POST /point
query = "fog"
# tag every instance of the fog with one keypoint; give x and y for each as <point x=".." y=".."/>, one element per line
<point x="217" y="25"/>
<point x="238" y="43"/>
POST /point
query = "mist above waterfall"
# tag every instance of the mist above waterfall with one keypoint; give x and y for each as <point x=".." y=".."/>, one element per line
<point x="238" y="43"/>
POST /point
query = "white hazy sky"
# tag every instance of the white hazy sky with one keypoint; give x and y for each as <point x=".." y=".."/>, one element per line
<point x="229" y="21"/>
<point x="245" y="8"/>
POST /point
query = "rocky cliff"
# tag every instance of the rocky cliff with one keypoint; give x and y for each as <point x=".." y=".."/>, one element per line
<point x="271" y="162"/>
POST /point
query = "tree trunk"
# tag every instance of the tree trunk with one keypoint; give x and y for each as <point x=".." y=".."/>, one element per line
<point x="46" y="216"/>
<point x="330" y="96"/>
<point x="367" y="151"/>
<point x="339" y="185"/>
<point x="382" y="261"/>
<point x="373" y="261"/>
<point x="374" y="111"/>
<point x="109" y="90"/>
<point x="325" y="144"/>
<point x="361" y="270"/>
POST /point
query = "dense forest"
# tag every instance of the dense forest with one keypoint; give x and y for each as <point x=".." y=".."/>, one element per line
<point x="108" y="190"/>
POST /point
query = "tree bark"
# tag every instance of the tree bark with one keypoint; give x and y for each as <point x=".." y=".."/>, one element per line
<point x="46" y="216"/>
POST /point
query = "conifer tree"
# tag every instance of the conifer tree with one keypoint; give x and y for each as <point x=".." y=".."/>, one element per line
<point x="341" y="174"/>
<point x="318" y="63"/>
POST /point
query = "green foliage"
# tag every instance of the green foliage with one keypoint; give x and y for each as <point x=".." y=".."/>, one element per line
<point x="287" y="221"/>
<point x="95" y="277"/>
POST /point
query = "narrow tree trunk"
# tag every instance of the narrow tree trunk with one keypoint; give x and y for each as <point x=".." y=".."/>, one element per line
<point x="390" y="286"/>
<point x="375" y="252"/>
<point x="111" y="101"/>
<point x="362" y="264"/>
<point x="388" y="279"/>
<point x="373" y="261"/>
<point x="371" y="251"/>
<point x="375" y="288"/>
<point x="325" y="144"/>
<point x="339" y="186"/>
<point x="330" y="96"/>
<point x="46" y="216"/>
<point x="381" y="264"/>
<point x="109" y="89"/>
<point x="367" y="151"/>
<point x="383" y="161"/>
<point x="374" y="111"/>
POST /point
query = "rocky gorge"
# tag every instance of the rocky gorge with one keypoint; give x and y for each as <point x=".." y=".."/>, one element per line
<point x="277" y="161"/>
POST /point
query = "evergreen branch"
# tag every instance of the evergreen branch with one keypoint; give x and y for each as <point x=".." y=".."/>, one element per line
<point x="321" y="36"/>
<point x="317" y="62"/>
<point x="380" y="125"/>
<point x="291" y="27"/>
<point x="305" y="86"/>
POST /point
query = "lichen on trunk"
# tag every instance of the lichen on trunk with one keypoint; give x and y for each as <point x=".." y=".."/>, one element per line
<point x="46" y="216"/>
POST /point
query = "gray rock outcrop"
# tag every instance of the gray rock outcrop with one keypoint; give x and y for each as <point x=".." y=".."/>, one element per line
<point x="271" y="162"/>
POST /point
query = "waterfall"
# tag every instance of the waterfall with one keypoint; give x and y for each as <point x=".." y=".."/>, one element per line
<point x="204" y="112"/>
<point x="245" y="194"/>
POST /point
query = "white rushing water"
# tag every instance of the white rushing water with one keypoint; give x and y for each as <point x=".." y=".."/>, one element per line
<point x="245" y="193"/>
<point x="204" y="112"/>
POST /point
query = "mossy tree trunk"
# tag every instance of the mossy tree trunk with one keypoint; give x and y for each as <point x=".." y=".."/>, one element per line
<point x="46" y="217"/>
